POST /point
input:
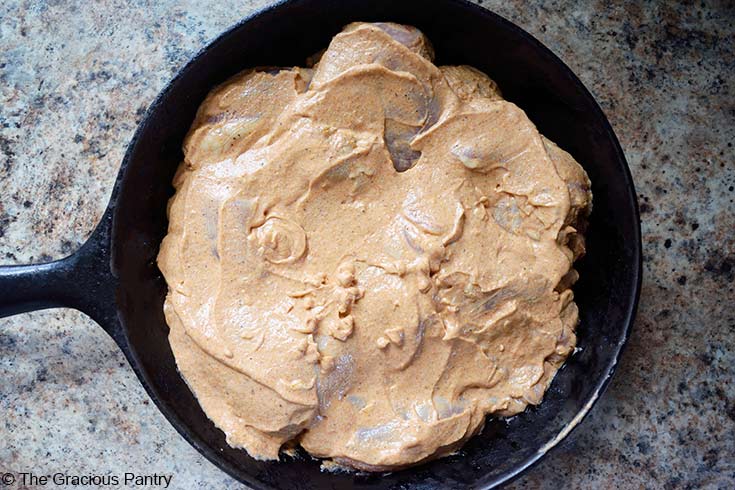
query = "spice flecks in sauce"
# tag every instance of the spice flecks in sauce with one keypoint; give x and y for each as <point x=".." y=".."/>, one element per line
<point x="369" y="255"/>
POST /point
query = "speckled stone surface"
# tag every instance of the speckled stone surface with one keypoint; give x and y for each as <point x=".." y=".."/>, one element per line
<point x="74" y="81"/>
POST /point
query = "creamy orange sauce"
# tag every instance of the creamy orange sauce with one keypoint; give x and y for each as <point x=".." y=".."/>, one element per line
<point x="370" y="255"/>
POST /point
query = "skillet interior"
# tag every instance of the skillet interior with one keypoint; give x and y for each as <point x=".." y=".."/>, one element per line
<point x="530" y="76"/>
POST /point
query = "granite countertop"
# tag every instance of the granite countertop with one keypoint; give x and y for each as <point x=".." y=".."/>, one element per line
<point x="75" y="81"/>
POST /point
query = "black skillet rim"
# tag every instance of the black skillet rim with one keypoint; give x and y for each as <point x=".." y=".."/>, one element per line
<point x="634" y="296"/>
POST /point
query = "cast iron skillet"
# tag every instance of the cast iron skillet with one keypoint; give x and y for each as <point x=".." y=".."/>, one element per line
<point x="114" y="278"/>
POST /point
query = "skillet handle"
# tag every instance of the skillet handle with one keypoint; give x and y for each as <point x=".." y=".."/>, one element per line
<point x="83" y="281"/>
